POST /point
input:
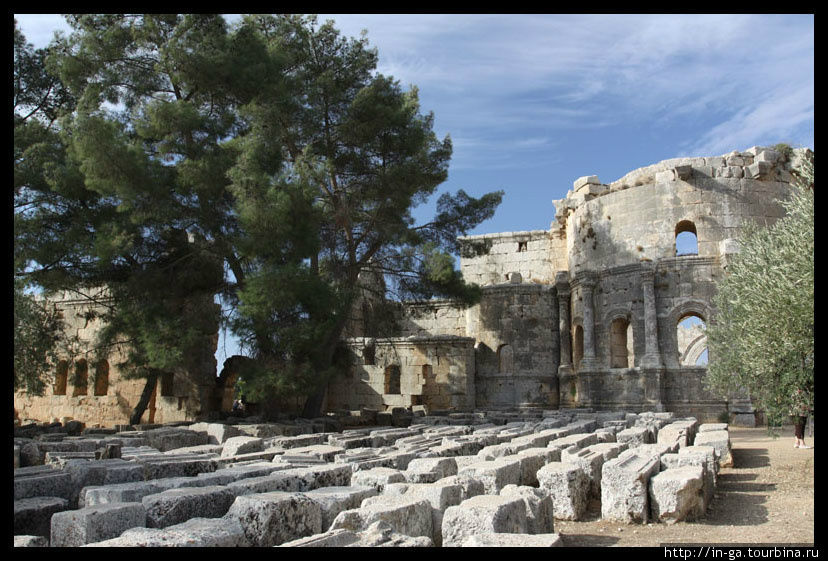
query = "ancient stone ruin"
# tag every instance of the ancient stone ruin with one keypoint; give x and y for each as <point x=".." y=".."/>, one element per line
<point x="604" y="310"/>
<point x="485" y="478"/>
<point x="576" y="381"/>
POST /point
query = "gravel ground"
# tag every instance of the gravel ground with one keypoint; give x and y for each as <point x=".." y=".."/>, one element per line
<point x="766" y="498"/>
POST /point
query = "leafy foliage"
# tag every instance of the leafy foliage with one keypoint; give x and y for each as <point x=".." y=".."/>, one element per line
<point x="267" y="163"/>
<point x="762" y="337"/>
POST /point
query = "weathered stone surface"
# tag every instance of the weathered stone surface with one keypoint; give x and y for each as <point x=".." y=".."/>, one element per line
<point x="378" y="478"/>
<point x="513" y="540"/>
<point x="118" y="493"/>
<point x="624" y="487"/>
<point x="677" y="494"/>
<point x="540" y="514"/>
<point x="406" y="515"/>
<point x="483" y="514"/>
<point x="30" y="541"/>
<point x="196" y="532"/>
<point x="429" y="470"/>
<point x="236" y="445"/>
<point x="269" y="519"/>
<point x="175" y="506"/>
<point x="333" y="500"/>
<point x="33" y="515"/>
<point x="97" y="523"/>
<point x="494" y="474"/>
<point x="718" y="440"/>
<point x="50" y="483"/>
<point x="568" y="486"/>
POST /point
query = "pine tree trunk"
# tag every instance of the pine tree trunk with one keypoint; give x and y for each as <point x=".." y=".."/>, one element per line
<point x="146" y="394"/>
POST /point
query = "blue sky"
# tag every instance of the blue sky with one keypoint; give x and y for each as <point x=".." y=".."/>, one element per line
<point x="532" y="102"/>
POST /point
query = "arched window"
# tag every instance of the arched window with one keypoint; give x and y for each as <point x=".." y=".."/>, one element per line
<point x="687" y="242"/>
<point x="578" y="346"/>
<point x="368" y="355"/>
<point x="61" y="374"/>
<point x="81" y="379"/>
<point x="392" y="379"/>
<point x="621" y="344"/>
<point x="101" y="378"/>
<point x="691" y="341"/>
<point x="505" y="359"/>
<point x="167" y="379"/>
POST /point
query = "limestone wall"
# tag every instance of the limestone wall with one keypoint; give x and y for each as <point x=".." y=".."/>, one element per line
<point x="179" y="397"/>
<point x="637" y="217"/>
<point x="435" y="371"/>
<point x="535" y="255"/>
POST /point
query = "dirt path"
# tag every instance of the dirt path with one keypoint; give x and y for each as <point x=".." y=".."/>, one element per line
<point x="767" y="497"/>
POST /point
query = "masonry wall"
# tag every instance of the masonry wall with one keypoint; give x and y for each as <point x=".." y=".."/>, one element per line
<point x="435" y="371"/>
<point x="182" y="396"/>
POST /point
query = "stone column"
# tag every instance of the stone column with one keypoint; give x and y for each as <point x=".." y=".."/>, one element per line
<point x="652" y="356"/>
<point x="564" y="328"/>
<point x="588" y="362"/>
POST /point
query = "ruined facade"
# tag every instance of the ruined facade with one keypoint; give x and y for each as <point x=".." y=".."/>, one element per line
<point x="603" y="310"/>
<point x="98" y="393"/>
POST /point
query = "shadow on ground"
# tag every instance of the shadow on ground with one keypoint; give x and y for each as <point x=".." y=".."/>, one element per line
<point x="588" y="540"/>
<point x="739" y="500"/>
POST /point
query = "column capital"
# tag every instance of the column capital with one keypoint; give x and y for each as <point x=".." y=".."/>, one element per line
<point x="587" y="279"/>
<point x="647" y="271"/>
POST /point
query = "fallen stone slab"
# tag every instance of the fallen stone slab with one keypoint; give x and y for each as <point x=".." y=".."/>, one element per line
<point x="720" y="441"/>
<point x="117" y="493"/>
<point x="30" y="541"/>
<point x="494" y="474"/>
<point x="677" y="494"/>
<point x="540" y="513"/>
<point x="429" y="470"/>
<point x="73" y="528"/>
<point x="469" y="486"/>
<point x="331" y="538"/>
<point x="33" y="515"/>
<point x="236" y="445"/>
<point x="410" y="516"/>
<point x="333" y="500"/>
<point x="172" y="466"/>
<point x="569" y="488"/>
<point x="532" y="459"/>
<point x="217" y="433"/>
<point x="324" y="452"/>
<point x="196" y="532"/>
<point x="440" y="496"/>
<point x="270" y="519"/>
<point x="481" y="515"/>
<point x="52" y="483"/>
<point x="625" y="487"/>
<point x="635" y="436"/>
<point x="513" y="540"/>
<point x="175" y="506"/>
<point x="378" y="478"/>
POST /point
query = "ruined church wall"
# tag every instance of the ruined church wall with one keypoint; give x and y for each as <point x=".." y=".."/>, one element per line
<point x="183" y="396"/>
<point x="637" y="217"/>
<point x="536" y="255"/>
<point x="517" y="351"/>
<point x="435" y="371"/>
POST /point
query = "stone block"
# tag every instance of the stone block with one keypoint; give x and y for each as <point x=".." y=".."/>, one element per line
<point x="270" y="519"/>
<point x="410" y="516"/>
<point x="483" y="514"/>
<point x="175" y="506"/>
<point x="719" y="440"/>
<point x="540" y="513"/>
<point x="51" y="483"/>
<point x="429" y="470"/>
<point x="119" y="493"/>
<point x="677" y="494"/>
<point x="30" y="541"/>
<point x="513" y="540"/>
<point x="217" y="433"/>
<point x="236" y="445"/>
<point x="33" y="515"/>
<point x="590" y="461"/>
<point x="624" y="487"/>
<point x="378" y="478"/>
<point x="569" y="488"/>
<point x="531" y="460"/>
<point x="469" y="486"/>
<point x="635" y="436"/>
<point x="332" y="538"/>
<point x="494" y="474"/>
<point x="73" y="528"/>
<point x="196" y="532"/>
<point x="333" y="500"/>
<point x="585" y="182"/>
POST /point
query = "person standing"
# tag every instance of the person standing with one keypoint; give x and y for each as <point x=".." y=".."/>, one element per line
<point x="800" y="412"/>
